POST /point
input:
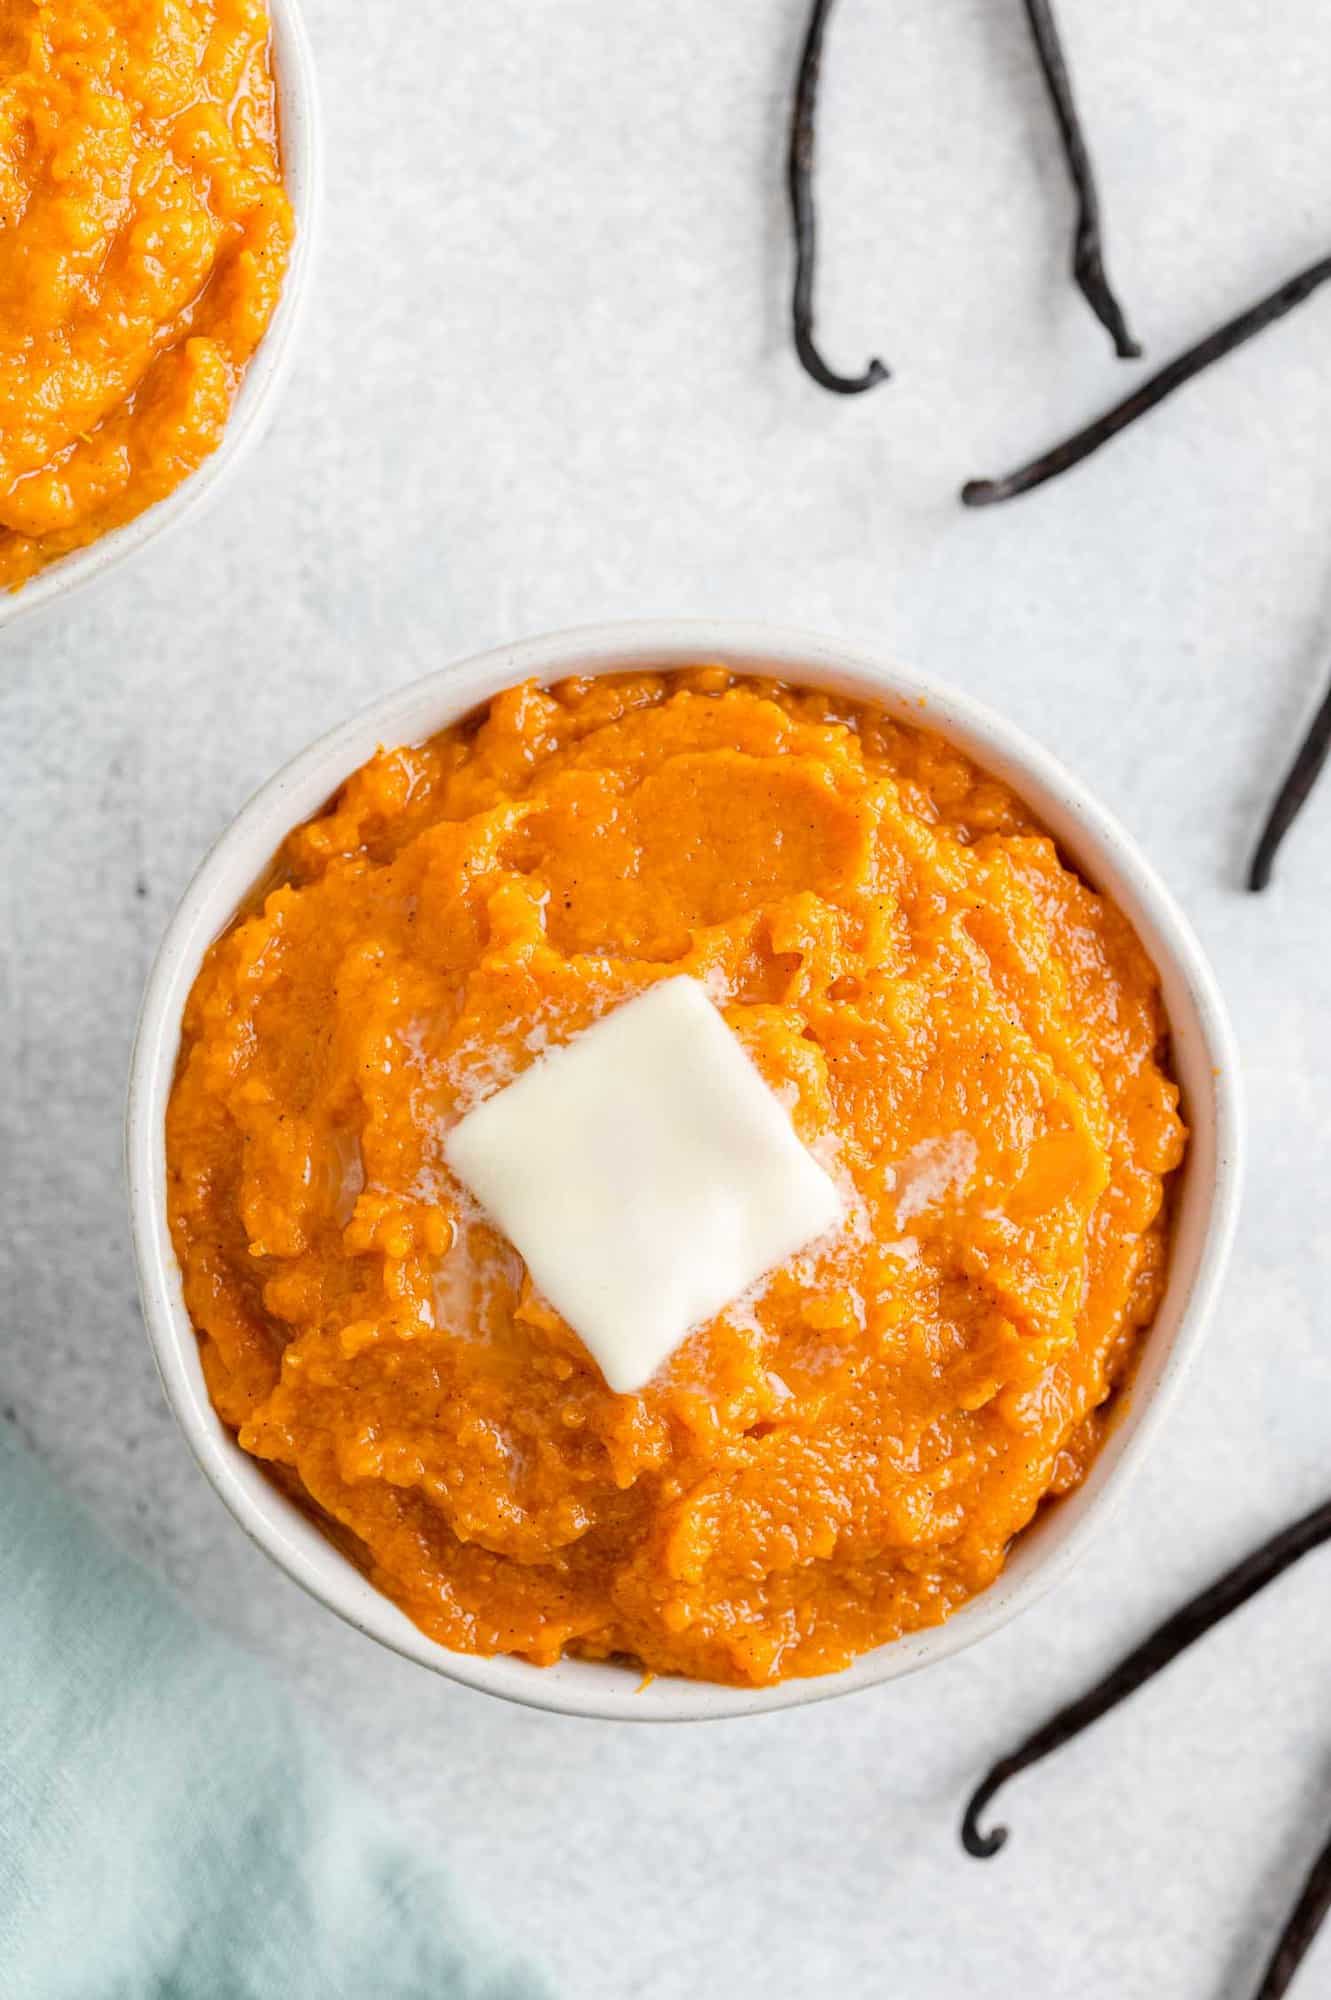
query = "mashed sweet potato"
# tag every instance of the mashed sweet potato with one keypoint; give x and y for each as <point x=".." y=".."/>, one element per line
<point x="843" y="1456"/>
<point x="144" y="234"/>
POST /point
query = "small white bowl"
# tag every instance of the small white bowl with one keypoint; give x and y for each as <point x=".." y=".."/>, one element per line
<point x="263" y="380"/>
<point x="1204" y="1056"/>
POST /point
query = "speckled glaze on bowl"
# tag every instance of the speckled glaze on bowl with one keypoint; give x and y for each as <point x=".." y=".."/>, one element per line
<point x="262" y="383"/>
<point x="1205" y="1063"/>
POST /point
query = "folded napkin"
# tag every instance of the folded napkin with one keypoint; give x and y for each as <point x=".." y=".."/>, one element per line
<point x="169" y="1824"/>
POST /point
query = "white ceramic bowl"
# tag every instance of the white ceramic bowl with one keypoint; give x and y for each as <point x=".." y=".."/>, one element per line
<point x="262" y="382"/>
<point x="1203" y="1053"/>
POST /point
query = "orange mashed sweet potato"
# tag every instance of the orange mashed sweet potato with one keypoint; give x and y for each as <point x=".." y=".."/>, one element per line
<point x="144" y="234"/>
<point x="846" y="1454"/>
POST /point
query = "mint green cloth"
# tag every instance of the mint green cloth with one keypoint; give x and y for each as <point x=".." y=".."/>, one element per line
<point x="169" y="1824"/>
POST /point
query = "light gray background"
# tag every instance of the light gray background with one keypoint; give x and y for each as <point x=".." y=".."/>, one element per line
<point x="546" y="380"/>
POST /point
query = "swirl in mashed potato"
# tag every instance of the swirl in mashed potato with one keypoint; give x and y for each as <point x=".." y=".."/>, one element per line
<point x="144" y="236"/>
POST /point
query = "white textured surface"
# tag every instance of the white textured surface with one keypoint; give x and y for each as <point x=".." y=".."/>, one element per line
<point x="546" y="380"/>
<point x="647" y="1176"/>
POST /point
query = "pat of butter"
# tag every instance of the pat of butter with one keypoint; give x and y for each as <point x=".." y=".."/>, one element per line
<point x="647" y="1176"/>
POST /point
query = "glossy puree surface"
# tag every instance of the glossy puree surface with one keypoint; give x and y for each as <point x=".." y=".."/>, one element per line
<point x="144" y="235"/>
<point x="970" y="1036"/>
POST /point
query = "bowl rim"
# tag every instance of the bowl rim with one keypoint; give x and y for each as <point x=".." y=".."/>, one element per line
<point x="1203" y="1047"/>
<point x="266" y="373"/>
